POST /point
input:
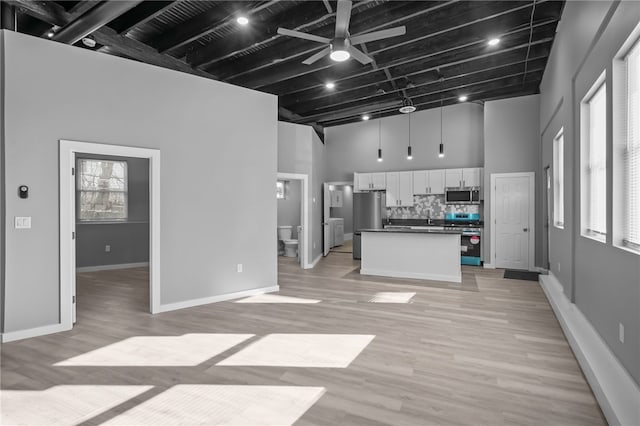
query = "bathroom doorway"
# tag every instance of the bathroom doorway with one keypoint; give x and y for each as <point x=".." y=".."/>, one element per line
<point x="293" y="225"/>
<point x="338" y="217"/>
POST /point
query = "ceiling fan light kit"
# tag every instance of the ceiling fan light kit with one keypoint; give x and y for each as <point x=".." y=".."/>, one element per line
<point x="342" y="47"/>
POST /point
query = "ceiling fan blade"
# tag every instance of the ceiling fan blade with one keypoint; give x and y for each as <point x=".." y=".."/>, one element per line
<point x="343" y="16"/>
<point x="299" y="34"/>
<point x="378" y="35"/>
<point x="359" y="56"/>
<point x="311" y="59"/>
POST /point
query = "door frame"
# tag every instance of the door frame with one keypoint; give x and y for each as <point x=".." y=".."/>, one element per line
<point x="532" y="215"/>
<point x="68" y="150"/>
<point x="306" y="220"/>
<point x="326" y="212"/>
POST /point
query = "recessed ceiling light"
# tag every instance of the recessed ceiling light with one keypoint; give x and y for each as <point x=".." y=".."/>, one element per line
<point x="366" y="117"/>
<point x="242" y="20"/>
<point x="340" y="55"/>
<point x="463" y="98"/>
<point x="494" y="41"/>
<point x="330" y="85"/>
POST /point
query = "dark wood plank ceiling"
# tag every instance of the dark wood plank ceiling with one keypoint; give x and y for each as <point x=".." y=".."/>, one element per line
<point x="444" y="53"/>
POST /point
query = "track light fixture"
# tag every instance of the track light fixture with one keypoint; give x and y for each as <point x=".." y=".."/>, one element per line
<point x="407" y="106"/>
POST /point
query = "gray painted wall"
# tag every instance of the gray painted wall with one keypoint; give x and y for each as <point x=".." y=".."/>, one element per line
<point x="604" y="281"/>
<point x="289" y="208"/>
<point x="354" y="147"/>
<point x="129" y="240"/>
<point x="301" y="151"/>
<point x="511" y="144"/>
<point x="204" y="144"/>
<point x="346" y="211"/>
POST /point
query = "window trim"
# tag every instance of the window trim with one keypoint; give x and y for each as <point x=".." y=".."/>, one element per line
<point x="585" y="162"/>
<point x="558" y="180"/>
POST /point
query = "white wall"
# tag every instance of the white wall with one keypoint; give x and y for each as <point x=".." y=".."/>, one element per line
<point x="354" y="147"/>
<point x="602" y="280"/>
<point x="208" y="225"/>
<point x="511" y="144"/>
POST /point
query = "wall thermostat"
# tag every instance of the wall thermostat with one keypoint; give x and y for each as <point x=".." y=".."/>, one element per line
<point x="23" y="191"/>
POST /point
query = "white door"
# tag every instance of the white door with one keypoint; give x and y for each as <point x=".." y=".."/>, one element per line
<point x="513" y="204"/>
<point x="326" y="214"/>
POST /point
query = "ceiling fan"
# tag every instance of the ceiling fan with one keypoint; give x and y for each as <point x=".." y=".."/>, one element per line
<point x="342" y="47"/>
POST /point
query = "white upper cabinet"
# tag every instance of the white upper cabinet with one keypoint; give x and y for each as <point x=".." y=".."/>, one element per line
<point x="472" y="177"/>
<point x="463" y="177"/>
<point x="436" y="181"/>
<point x="428" y="181"/>
<point x="336" y="198"/>
<point x="421" y="182"/>
<point x="369" y="181"/>
<point x="453" y="178"/>
<point x="399" y="189"/>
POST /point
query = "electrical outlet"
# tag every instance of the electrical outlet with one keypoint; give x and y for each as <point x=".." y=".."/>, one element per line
<point x="621" y="332"/>
<point x="107" y="248"/>
<point x="23" y="222"/>
<point x="239" y="267"/>
<point x="558" y="266"/>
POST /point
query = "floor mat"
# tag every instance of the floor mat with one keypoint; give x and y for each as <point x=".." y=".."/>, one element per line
<point x="516" y="274"/>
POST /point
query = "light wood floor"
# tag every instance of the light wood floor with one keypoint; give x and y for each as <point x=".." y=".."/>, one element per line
<point x="487" y="352"/>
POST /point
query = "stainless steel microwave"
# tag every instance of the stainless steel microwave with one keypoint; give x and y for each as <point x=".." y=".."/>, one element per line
<point x="462" y="195"/>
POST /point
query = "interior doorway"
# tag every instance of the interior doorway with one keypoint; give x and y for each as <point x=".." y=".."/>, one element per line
<point x="294" y="224"/>
<point x="69" y="151"/>
<point x="513" y="212"/>
<point x="338" y="217"/>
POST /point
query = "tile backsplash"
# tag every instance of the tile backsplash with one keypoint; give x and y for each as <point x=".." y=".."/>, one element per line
<point x="430" y="206"/>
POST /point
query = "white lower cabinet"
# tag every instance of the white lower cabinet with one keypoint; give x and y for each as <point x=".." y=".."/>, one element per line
<point x="399" y="189"/>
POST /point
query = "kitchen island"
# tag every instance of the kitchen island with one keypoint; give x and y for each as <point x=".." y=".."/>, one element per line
<point x="424" y="253"/>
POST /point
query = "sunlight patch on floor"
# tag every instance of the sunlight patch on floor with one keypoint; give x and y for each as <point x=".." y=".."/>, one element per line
<point x="62" y="405"/>
<point x="302" y="350"/>
<point x="223" y="405"/>
<point x="392" y="297"/>
<point x="185" y="350"/>
<point x="276" y="298"/>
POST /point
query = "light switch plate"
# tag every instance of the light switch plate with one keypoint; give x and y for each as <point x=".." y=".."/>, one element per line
<point x="23" y="222"/>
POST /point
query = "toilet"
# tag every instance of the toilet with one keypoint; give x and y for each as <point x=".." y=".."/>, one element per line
<point x="290" y="245"/>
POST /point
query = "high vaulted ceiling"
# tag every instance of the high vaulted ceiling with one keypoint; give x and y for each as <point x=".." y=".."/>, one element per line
<point x="444" y="53"/>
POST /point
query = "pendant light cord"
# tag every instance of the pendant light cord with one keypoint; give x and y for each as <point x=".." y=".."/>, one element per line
<point x="409" y="130"/>
<point x="441" y="131"/>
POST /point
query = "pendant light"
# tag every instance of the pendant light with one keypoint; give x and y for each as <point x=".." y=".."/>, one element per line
<point x="380" y="139"/>
<point x="409" y="156"/>
<point x="441" y="150"/>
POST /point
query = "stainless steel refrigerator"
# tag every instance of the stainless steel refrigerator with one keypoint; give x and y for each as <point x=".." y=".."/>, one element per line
<point x="369" y="212"/>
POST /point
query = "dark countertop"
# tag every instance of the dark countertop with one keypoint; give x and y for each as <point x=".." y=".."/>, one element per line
<point x="407" y="230"/>
<point x="425" y="222"/>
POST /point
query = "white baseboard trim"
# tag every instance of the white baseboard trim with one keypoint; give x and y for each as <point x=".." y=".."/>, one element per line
<point x="111" y="267"/>
<point x="348" y="236"/>
<point x="214" y="299"/>
<point x="489" y="266"/>
<point x="419" y="276"/>
<point x="316" y="260"/>
<point x="614" y="388"/>
<point x="33" y="332"/>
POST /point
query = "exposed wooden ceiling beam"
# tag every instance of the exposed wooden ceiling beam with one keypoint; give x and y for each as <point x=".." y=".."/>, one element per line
<point x="140" y="14"/>
<point x="92" y="19"/>
<point x="292" y="69"/>
<point x="406" y="66"/>
<point x="491" y="94"/>
<point x="7" y="17"/>
<point x="211" y="21"/>
<point x="370" y="19"/>
<point x="472" y="88"/>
